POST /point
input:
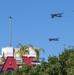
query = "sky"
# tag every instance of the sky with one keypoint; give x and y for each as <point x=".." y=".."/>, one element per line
<point x="32" y="24"/>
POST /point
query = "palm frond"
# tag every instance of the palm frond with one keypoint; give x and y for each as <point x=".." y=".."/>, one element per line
<point x="19" y="44"/>
<point x="29" y="45"/>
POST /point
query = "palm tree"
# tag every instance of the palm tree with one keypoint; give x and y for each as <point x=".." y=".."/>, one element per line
<point x="37" y="51"/>
<point x="23" y="50"/>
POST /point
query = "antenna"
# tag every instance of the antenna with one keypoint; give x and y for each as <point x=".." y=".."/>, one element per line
<point x="10" y="31"/>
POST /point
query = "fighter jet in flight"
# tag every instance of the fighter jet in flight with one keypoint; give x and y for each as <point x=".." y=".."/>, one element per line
<point x="56" y="15"/>
<point x="53" y="39"/>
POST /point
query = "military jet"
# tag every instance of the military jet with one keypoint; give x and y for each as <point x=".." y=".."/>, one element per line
<point x="56" y="15"/>
<point x="53" y="39"/>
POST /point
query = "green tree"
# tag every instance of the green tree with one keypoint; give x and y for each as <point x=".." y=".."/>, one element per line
<point x="25" y="70"/>
<point x="18" y="71"/>
<point x="41" y="69"/>
<point x="63" y="64"/>
<point x="53" y="66"/>
<point x="66" y="60"/>
<point x="5" y="73"/>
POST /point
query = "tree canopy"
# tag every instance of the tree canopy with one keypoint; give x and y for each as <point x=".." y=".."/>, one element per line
<point x="63" y="64"/>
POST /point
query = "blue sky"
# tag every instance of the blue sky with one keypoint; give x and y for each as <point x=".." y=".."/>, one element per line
<point x="32" y="24"/>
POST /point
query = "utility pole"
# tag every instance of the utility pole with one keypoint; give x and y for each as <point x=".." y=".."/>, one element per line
<point x="10" y="31"/>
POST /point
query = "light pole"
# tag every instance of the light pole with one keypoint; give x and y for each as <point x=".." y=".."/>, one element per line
<point x="10" y="31"/>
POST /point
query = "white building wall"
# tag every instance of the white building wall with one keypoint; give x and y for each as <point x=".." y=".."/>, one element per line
<point x="7" y="51"/>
